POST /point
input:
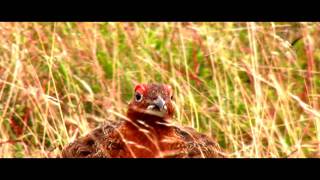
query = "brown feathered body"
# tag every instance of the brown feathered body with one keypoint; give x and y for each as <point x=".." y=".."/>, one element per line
<point x="146" y="132"/>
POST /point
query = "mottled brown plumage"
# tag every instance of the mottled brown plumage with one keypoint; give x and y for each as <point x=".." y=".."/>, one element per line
<point x="145" y="133"/>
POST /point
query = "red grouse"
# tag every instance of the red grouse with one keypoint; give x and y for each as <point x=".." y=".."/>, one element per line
<point x="146" y="132"/>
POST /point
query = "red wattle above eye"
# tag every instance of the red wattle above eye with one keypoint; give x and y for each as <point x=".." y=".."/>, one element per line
<point x="140" y="88"/>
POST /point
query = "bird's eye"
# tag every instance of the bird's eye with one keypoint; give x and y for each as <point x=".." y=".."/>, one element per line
<point x="171" y="97"/>
<point x="138" y="97"/>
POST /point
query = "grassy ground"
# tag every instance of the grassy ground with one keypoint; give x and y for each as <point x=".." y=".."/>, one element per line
<point x="254" y="86"/>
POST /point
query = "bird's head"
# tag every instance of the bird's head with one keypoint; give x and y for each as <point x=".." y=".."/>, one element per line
<point x="151" y="102"/>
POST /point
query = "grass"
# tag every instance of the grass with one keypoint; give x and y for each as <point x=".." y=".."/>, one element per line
<point x="254" y="86"/>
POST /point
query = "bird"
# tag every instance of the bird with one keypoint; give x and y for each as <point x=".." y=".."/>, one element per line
<point x="146" y="131"/>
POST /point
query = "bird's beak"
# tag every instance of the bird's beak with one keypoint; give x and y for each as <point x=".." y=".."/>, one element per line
<point x="158" y="104"/>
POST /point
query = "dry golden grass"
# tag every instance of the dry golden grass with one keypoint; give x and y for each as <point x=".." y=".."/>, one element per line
<point x="255" y="86"/>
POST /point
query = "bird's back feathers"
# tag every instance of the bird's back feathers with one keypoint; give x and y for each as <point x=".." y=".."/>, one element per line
<point x="115" y="139"/>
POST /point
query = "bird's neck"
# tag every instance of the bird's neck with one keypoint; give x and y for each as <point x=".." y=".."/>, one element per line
<point x="143" y="120"/>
